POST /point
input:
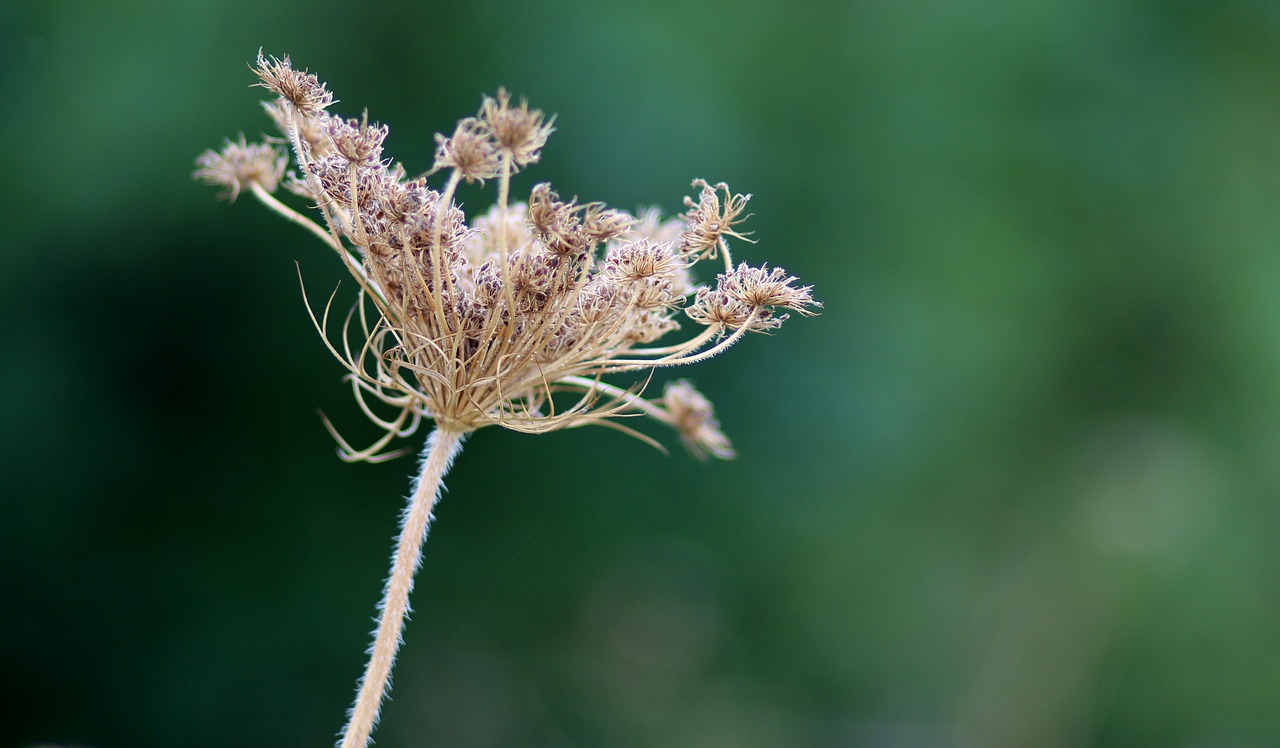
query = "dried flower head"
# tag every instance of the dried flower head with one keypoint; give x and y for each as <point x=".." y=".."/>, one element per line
<point x="518" y="131"/>
<point x="695" y="419"/>
<point x="470" y="151"/>
<point x="709" y="220"/>
<point x="356" y="140"/>
<point x="301" y="89"/>
<point x="239" y="165"/>
<point x="514" y="317"/>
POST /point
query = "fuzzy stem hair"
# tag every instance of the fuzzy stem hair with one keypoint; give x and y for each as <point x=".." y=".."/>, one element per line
<point x="442" y="446"/>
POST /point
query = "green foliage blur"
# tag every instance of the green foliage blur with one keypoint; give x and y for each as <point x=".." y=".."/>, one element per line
<point x="1017" y="486"/>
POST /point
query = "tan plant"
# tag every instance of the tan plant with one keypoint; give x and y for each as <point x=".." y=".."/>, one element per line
<point x="510" y="318"/>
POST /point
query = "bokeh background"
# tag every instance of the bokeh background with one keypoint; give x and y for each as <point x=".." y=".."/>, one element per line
<point x="1017" y="486"/>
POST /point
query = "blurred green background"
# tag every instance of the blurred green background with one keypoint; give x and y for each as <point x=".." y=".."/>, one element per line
<point x="1017" y="486"/>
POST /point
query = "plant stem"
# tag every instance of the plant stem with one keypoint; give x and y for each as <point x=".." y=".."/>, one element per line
<point x="442" y="446"/>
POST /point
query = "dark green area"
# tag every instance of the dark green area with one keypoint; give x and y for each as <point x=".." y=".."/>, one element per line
<point x="1016" y="486"/>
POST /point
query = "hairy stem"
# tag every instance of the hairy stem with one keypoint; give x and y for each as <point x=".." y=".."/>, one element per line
<point x="442" y="446"/>
<point x="623" y="364"/>
<point x="269" y="200"/>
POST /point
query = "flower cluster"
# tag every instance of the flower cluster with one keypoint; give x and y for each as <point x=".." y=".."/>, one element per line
<point x="512" y="317"/>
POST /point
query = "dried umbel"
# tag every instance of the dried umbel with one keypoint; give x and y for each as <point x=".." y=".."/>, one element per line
<point x="512" y="318"/>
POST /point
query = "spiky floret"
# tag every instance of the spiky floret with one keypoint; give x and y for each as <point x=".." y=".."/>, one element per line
<point x="469" y="152"/>
<point x="303" y="90"/>
<point x="709" y="220"/>
<point x="518" y="131"/>
<point x="695" y="420"/>
<point x="238" y="165"/>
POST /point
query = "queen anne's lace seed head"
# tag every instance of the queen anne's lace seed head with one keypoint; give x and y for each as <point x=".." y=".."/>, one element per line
<point x="301" y="89"/>
<point x="470" y="151"/>
<point x="356" y="140"/>
<point x="238" y="165"/>
<point x="709" y="220"/>
<point x="716" y="308"/>
<point x="518" y="131"/>
<point x="695" y="420"/>
<point x="642" y="260"/>
<point x="515" y="316"/>
<point x="762" y="288"/>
